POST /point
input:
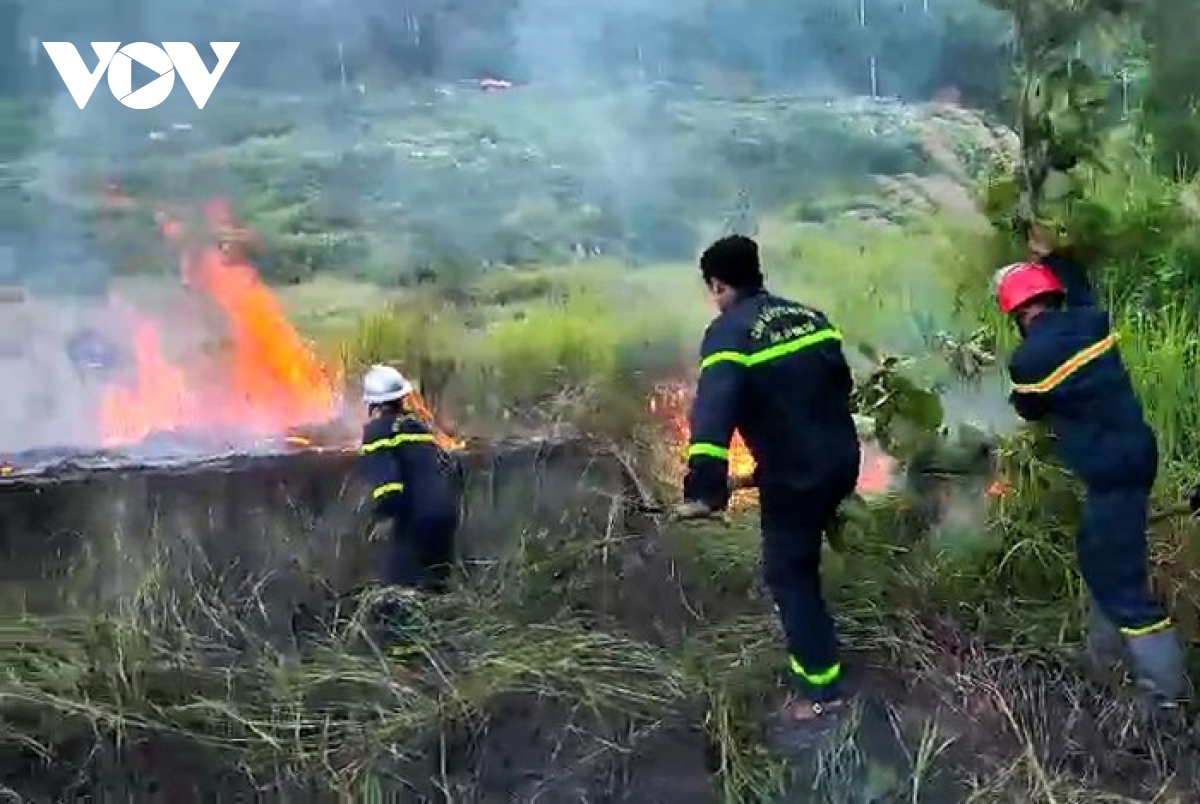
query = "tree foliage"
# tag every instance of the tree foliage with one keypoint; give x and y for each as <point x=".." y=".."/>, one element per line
<point x="1110" y="177"/>
<point x="1062" y="105"/>
<point x="1171" y="106"/>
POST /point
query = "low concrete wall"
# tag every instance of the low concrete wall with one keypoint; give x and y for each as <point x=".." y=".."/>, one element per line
<point x="261" y="535"/>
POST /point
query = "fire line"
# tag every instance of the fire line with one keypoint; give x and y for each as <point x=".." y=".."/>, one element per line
<point x="671" y="402"/>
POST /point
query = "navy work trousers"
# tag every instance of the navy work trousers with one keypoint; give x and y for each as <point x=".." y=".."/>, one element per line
<point x="1114" y="555"/>
<point x="794" y="525"/>
<point x="421" y="555"/>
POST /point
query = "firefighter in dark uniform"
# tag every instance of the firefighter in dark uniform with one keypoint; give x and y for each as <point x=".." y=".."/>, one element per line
<point x="412" y="493"/>
<point x="1068" y="373"/>
<point x="774" y="371"/>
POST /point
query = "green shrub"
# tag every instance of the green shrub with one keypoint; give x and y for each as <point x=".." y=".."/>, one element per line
<point x="552" y="348"/>
<point x="423" y="338"/>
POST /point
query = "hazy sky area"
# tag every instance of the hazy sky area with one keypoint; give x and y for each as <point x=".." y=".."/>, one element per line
<point x="606" y="123"/>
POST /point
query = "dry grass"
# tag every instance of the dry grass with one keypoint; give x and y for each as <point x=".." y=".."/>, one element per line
<point x="554" y="640"/>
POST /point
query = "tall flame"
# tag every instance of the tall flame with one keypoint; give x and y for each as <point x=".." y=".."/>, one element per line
<point x="265" y="381"/>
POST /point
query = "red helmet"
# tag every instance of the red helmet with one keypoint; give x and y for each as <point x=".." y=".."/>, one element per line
<point x="1016" y="284"/>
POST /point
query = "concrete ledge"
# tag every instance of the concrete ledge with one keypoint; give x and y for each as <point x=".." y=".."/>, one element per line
<point x="261" y="535"/>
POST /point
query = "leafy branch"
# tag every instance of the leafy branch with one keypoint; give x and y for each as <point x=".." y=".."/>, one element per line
<point x="1062" y="102"/>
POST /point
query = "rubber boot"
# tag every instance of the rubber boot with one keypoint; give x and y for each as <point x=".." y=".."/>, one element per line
<point x="1104" y="644"/>
<point x="1158" y="666"/>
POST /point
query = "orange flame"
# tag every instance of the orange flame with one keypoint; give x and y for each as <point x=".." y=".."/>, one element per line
<point x="265" y="381"/>
<point x="418" y="405"/>
<point x="673" y="400"/>
<point x="875" y="471"/>
<point x="158" y="398"/>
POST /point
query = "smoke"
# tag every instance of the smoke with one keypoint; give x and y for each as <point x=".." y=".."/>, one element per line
<point x="357" y="138"/>
<point x="638" y="41"/>
<point x="633" y="125"/>
<point x="982" y="404"/>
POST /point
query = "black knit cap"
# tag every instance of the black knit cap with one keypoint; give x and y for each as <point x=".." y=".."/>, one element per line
<point x="734" y="261"/>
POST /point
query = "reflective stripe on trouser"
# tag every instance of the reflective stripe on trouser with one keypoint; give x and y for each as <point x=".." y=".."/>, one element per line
<point x="384" y="489"/>
<point x="1147" y="630"/>
<point x="1114" y="560"/>
<point x="794" y="525"/>
<point x="818" y="679"/>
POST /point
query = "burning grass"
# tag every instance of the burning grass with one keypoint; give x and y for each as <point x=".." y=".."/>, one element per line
<point x="250" y="383"/>
<point x="263" y="379"/>
<point x="671" y="402"/>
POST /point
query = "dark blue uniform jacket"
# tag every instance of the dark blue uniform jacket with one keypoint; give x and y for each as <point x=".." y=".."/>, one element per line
<point x="774" y="371"/>
<point x="408" y="472"/>
<point x="1068" y="373"/>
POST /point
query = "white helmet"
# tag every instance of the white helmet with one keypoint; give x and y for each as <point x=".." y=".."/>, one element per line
<point x="384" y="384"/>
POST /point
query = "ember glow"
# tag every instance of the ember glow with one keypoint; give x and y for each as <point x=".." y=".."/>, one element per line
<point x="672" y="401"/>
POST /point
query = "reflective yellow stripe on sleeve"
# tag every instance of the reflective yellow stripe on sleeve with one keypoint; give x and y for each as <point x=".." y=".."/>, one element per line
<point x="1074" y="364"/>
<point x="772" y="352"/>
<point x="775" y="352"/>
<point x="396" y="441"/>
<point x="738" y="358"/>
<point x="387" y="488"/>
